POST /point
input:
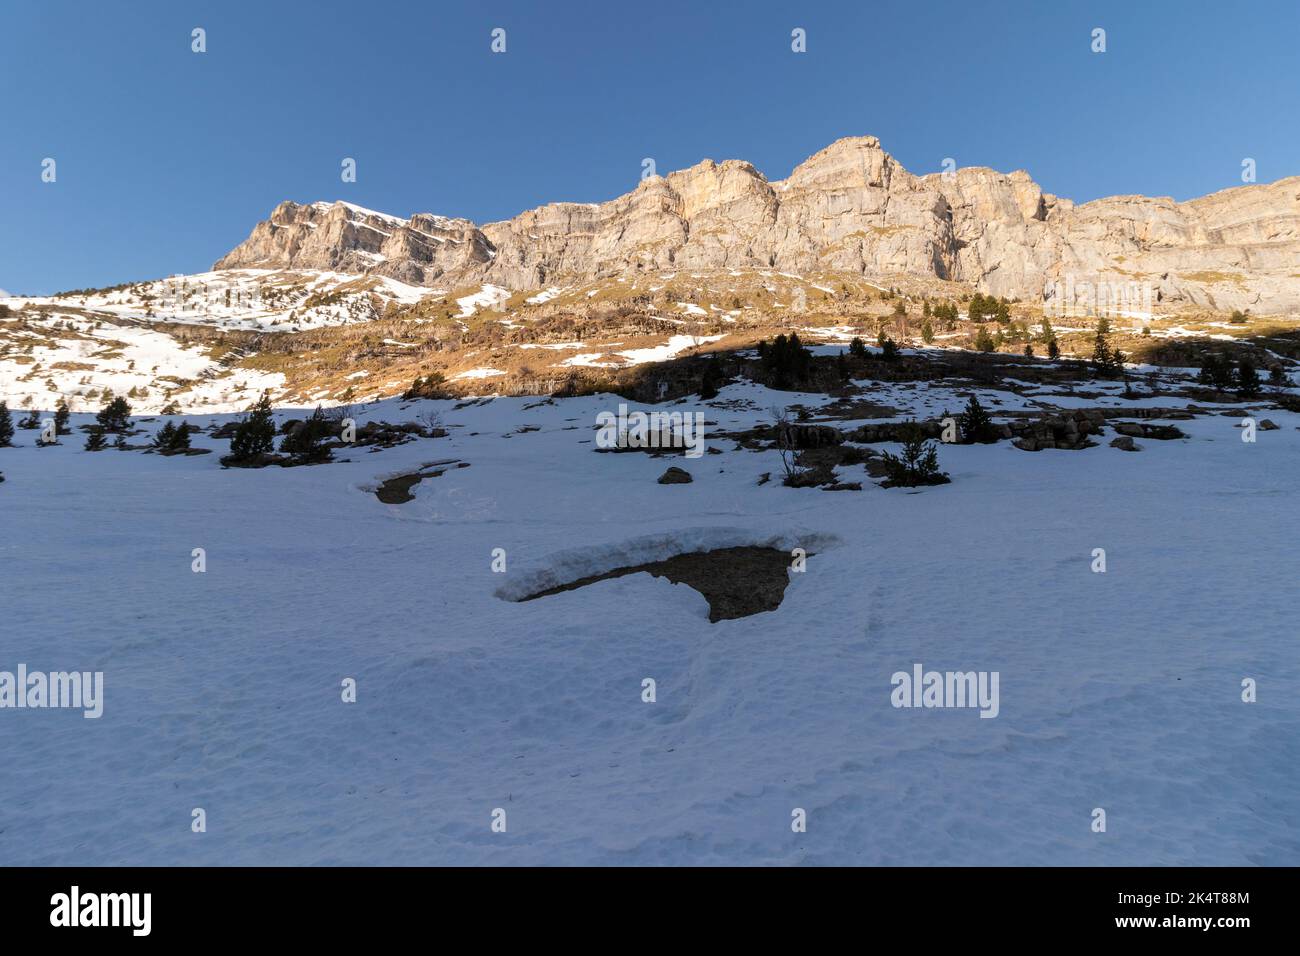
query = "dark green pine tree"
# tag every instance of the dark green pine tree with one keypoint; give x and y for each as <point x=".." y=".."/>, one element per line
<point x="1248" y="381"/>
<point x="842" y="367"/>
<point x="1101" y="357"/>
<point x="181" y="437"/>
<point x="115" y="416"/>
<point x="975" y="424"/>
<point x="306" y="443"/>
<point x="711" y="379"/>
<point x="6" y="426"/>
<point x="918" y="464"/>
<point x="165" y="437"/>
<point x="787" y="360"/>
<point x="61" y="416"/>
<point x="95" y="440"/>
<point x="255" y="435"/>
<point x="1217" y="372"/>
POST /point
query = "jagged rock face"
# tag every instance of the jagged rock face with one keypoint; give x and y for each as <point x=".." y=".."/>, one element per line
<point x="850" y="207"/>
<point x="344" y="238"/>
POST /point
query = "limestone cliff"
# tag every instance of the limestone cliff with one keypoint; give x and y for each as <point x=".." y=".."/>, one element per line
<point x="851" y="207"/>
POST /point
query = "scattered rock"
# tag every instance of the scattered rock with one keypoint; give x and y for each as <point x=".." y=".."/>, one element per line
<point x="1267" y="425"/>
<point x="384" y="435"/>
<point x="1065" y="430"/>
<point x="792" y="435"/>
<point x="397" y="490"/>
<point x="737" y="582"/>
<point x="893" y="431"/>
<point x="810" y="477"/>
<point x="675" y="476"/>
<point x="1125" y="443"/>
<point x="1143" y="430"/>
<point x="259" y="461"/>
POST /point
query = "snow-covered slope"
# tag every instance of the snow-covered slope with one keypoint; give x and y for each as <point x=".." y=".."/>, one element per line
<point x="56" y="356"/>
<point x="260" y="299"/>
<point x="1119" y="690"/>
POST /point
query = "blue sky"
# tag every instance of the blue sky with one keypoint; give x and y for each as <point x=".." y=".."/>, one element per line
<point x="166" y="158"/>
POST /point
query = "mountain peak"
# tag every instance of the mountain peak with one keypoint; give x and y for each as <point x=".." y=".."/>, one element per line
<point x="849" y="207"/>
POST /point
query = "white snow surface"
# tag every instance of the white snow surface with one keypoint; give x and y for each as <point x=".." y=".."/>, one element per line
<point x="488" y="297"/>
<point x="1119" y="690"/>
<point x="264" y="299"/>
<point x="77" y="356"/>
<point x="675" y="345"/>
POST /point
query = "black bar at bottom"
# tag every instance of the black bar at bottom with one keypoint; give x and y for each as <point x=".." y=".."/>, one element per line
<point x="334" y="906"/>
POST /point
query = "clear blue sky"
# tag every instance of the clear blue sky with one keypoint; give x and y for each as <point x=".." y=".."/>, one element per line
<point x="166" y="158"/>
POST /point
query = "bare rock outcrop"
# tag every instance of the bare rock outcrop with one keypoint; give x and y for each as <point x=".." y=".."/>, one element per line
<point x="850" y="207"/>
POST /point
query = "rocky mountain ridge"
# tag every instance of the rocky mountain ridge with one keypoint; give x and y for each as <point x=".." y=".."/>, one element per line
<point x="850" y="207"/>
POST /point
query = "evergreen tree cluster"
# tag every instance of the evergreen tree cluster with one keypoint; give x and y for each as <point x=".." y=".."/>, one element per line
<point x="254" y="435"/>
<point x="173" y="438"/>
<point x="431" y="386"/>
<point x="945" y="312"/>
<point x="115" y="416"/>
<point x="982" y="308"/>
<point x="305" y="444"/>
<point x="1048" y="338"/>
<point x="1106" y="361"/>
<point x="1218" y="372"/>
<point x="786" y="358"/>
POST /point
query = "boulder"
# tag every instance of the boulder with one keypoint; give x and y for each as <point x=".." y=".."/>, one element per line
<point x="793" y="435"/>
<point x="675" y="476"/>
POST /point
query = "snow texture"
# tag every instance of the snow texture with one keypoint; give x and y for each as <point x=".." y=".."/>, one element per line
<point x="1119" y="690"/>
